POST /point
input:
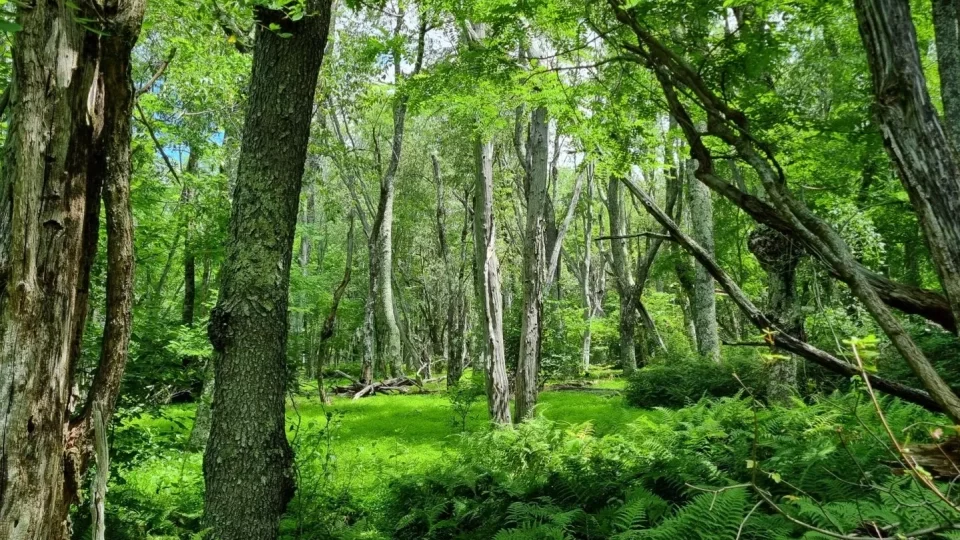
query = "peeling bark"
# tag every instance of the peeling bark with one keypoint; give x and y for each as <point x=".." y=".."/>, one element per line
<point x="534" y="266"/>
<point x="68" y="147"/>
<point x="489" y="297"/>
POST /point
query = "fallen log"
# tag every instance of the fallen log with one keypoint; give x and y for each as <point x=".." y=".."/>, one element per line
<point x="357" y="389"/>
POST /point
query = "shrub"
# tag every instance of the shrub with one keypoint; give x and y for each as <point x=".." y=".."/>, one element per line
<point x="675" y="382"/>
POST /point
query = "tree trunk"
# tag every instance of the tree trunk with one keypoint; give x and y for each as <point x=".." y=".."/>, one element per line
<point x="702" y="300"/>
<point x="534" y="266"/>
<point x="189" y="258"/>
<point x="779" y="257"/>
<point x="624" y="276"/>
<point x="488" y="286"/>
<point x="912" y="132"/>
<point x="946" y="16"/>
<point x="330" y="323"/>
<point x="200" y="432"/>
<point x="586" y="281"/>
<point x="247" y="463"/>
<point x="68" y="145"/>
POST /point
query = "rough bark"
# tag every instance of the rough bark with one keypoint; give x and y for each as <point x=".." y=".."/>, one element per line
<point x="489" y="297"/>
<point x="69" y="145"/>
<point x="247" y="463"/>
<point x="779" y="257"/>
<point x="702" y="299"/>
<point x="534" y="266"/>
<point x="912" y="131"/>
<point x="200" y="432"/>
<point x="946" y="16"/>
<point x="624" y="276"/>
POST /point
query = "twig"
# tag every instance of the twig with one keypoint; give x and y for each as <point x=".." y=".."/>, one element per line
<point x="156" y="142"/>
<point x="156" y="76"/>
<point x="922" y="476"/>
<point x="635" y="235"/>
<point x="745" y="518"/>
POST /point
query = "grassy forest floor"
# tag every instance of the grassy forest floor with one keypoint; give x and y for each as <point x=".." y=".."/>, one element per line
<point x="363" y="444"/>
<point x="592" y="466"/>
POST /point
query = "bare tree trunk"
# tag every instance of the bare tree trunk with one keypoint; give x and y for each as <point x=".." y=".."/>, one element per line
<point x="912" y="131"/>
<point x="534" y="265"/>
<point x="247" y="463"/>
<point x="488" y="286"/>
<point x="68" y="146"/>
<point x="586" y="272"/>
<point x="624" y="276"/>
<point x="200" y="432"/>
<point x="702" y="300"/>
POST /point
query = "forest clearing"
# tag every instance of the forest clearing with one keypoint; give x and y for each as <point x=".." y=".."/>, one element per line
<point x="479" y="269"/>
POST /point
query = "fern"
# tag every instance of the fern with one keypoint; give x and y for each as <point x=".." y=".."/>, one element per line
<point x="707" y="517"/>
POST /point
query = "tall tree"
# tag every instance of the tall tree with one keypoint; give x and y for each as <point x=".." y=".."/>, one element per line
<point x="388" y="339"/>
<point x="487" y="276"/>
<point x="534" y="263"/>
<point x="247" y="463"/>
<point x="702" y="300"/>
<point x="624" y="275"/>
<point x="68" y="147"/>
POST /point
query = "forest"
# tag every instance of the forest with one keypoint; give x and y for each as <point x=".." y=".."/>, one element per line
<point x="479" y="269"/>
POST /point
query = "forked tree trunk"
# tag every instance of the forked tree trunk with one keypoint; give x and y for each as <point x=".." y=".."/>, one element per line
<point x="247" y="463"/>
<point x="534" y="265"/>
<point x="489" y="298"/>
<point x="68" y="145"/>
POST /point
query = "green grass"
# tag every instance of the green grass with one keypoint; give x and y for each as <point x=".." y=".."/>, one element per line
<point x="370" y="440"/>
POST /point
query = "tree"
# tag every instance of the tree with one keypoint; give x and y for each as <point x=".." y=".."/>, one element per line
<point x="65" y="153"/>
<point x="702" y="300"/>
<point x="247" y="463"/>
<point x="534" y="263"/>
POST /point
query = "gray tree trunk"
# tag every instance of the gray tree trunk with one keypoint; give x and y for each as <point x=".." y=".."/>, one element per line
<point x="534" y="265"/>
<point x="489" y="297"/>
<point x="624" y="276"/>
<point x="912" y="131"/>
<point x="703" y="304"/>
<point x="946" y="16"/>
<point x="247" y="463"/>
